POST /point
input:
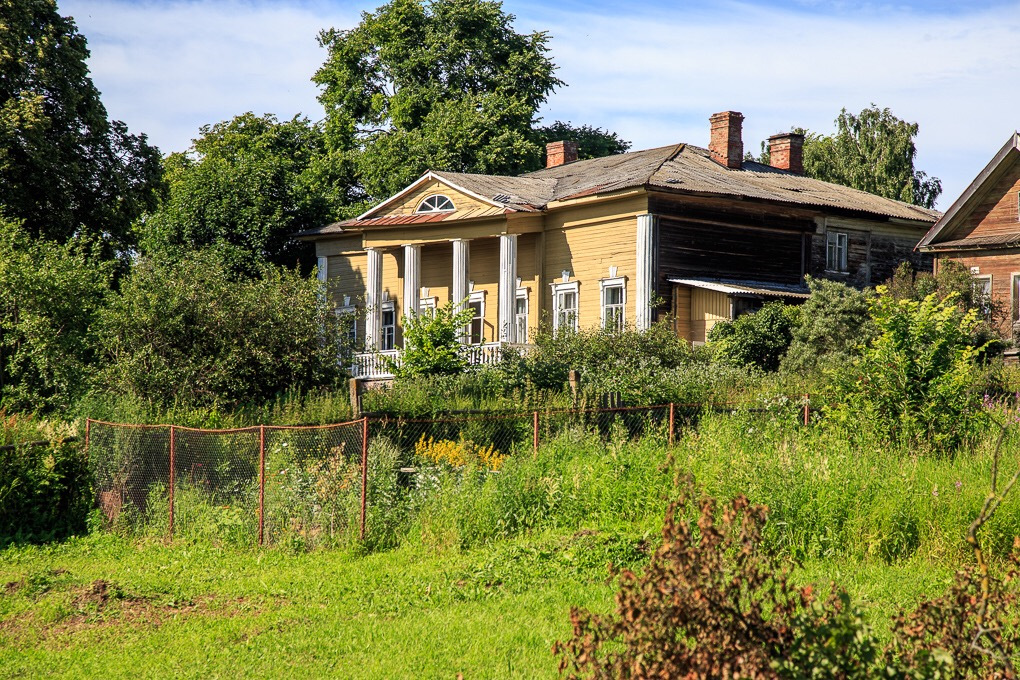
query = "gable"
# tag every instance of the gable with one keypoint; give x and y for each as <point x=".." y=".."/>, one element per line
<point x="408" y="204"/>
<point x="994" y="211"/>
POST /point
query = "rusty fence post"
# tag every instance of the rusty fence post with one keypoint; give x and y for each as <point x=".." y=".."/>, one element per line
<point x="807" y="409"/>
<point x="262" y="483"/>
<point x="173" y="465"/>
<point x="535" y="436"/>
<point x="88" y="436"/>
<point x="364" y="474"/>
<point x="672" y="421"/>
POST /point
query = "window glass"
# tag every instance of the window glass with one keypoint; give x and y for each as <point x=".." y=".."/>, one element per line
<point x="435" y="203"/>
<point x="476" y="328"/>
<point x="612" y="307"/>
<point x="521" y="316"/>
<point x="389" y="328"/>
<point x="836" y="251"/>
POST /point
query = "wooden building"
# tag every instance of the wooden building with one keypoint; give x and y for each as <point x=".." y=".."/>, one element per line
<point x="696" y="233"/>
<point x="981" y="230"/>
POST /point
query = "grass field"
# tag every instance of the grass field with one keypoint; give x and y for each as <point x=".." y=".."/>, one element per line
<point x="477" y="575"/>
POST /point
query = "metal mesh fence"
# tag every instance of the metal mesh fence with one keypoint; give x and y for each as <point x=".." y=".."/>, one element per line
<point x="308" y="486"/>
<point x="264" y="484"/>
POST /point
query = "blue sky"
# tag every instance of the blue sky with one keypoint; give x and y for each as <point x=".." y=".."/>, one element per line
<point x="653" y="71"/>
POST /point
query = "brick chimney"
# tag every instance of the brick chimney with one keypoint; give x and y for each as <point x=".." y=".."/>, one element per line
<point x="560" y="153"/>
<point x="726" y="144"/>
<point x="786" y="152"/>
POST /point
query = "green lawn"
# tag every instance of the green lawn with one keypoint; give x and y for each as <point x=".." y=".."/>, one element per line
<point x="111" y="607"/>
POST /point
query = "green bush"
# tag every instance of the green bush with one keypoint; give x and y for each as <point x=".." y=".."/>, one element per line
<point x="759" y="339"/>
<point x="45" y="492"/>
<point x="916" y="383"/>
<point x="50" y="298"/>
<point x="835" y="324"/>
<point x="432" y="343"/>
<point x="188" y="331"/>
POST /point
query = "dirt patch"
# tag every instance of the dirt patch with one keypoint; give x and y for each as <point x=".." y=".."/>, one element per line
<point x="13" y="587"/>
<point x="97" y="595"/>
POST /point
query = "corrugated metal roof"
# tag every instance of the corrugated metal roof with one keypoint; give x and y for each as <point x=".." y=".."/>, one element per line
<point x="747" y="287"/>
<point x="674" y="168"/>
<point x="979" y="242"/>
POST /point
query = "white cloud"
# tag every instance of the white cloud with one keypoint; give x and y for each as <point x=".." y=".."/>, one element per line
<point x="653" y="74"/>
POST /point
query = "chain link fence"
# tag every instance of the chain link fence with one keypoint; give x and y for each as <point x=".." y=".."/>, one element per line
<point x="264" y="485"/>
<point x="309" y="485"/>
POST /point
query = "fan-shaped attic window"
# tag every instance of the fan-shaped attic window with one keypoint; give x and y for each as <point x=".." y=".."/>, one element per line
<point x="435" y="203"/>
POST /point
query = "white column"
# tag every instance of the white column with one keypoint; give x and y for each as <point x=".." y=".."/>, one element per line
<point x="461" y="267"/>
<point x="507" y="287"/>
<point x="373" y="300"/>
<point x="412" y="279"/>
<point x="645" y="279"/>
<point x="322" y="269"/>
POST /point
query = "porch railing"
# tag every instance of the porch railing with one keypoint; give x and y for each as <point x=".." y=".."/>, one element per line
<point x="377" y="364"/>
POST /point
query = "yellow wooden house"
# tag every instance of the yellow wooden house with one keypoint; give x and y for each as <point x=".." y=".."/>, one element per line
<point x="697" y="234"/>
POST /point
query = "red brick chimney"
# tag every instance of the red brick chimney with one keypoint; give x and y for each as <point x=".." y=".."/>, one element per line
<point x="726" y="145"/>
<point x="786" y="152"/>
<point x="560" y="153"/>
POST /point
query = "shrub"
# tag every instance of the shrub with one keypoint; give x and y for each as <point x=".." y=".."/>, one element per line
<point x="459" y="453"/>
<point x="712" y="604"/>
<point x="834" y="326"/>
<point x="188" y="331"/>
<point x="432" y="343"/>
<point x="759" y="339"/>
<point x="915" y="382"/>
<point x="50" y="298"/>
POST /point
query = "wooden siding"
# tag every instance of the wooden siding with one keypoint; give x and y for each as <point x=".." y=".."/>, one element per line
<point x="1003" y="266"/>
<point x="874" y="251"/>
<point x="586" y="243"/>
<point x="996" y="213"/>
<point x="708" y="307"/>
<point x="682" y="312"/>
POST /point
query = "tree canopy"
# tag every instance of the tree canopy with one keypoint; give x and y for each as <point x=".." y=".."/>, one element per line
<point x="245" y="186"/>
<point x="592" y="142"/>
<point x="872" y="151"/>
<point x="65" y="169"/>
<point x="447" y="84"/>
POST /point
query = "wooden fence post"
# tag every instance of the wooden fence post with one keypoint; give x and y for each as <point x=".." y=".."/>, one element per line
<point x="807" y="409"/>
<point x="354" y="385"/>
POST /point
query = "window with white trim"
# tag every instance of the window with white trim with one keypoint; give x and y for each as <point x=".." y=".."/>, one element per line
<point x="476" y="329"/>
<point x="435" y="203"/>
<point x="614" y="303"/>
<point x="427" y="305"/>
<point x="836" y="243"/>
<point x="348" y="317"/>
<point x="389" y="326"/>
<point x="983" y="293"/>
<point x="521" y="314"/>
<point x="565" y="305"/>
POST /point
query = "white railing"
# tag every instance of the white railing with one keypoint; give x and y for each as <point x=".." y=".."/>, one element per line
<point x="375" y="364"/>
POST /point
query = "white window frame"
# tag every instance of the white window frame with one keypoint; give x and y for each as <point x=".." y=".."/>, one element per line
<point x="388" y="336"/>
<point x="478" y="297"/>
<point x="614" y="282"/>
<point x="558" y="291"/>
<point x="427" y="305"/>
<point x="428" y="205"/>
<point x="986" y="302"/>
<point x="836" y="259"/>
<point x="351" y="312"/>
<point x="522" y="328"/>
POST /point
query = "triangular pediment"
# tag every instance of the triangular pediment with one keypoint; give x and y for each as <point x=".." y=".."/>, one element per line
<point x="428" y="191"/>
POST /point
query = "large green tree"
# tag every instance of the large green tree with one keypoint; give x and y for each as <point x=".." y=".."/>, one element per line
<point x="872" y="151"/>
<point x="245" y="186"/>
<point x="65" y="169"/>
<point x="447" y="84"/>
<point x="592" y="142"/>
